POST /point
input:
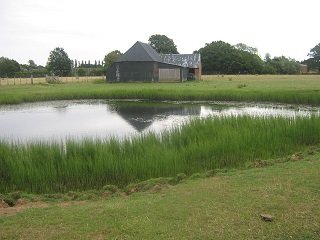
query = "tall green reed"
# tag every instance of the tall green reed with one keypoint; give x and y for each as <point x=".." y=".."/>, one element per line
<point x="202" y="144"/>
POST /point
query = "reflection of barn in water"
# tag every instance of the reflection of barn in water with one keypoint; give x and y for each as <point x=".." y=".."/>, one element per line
<point x="141" y="115"/>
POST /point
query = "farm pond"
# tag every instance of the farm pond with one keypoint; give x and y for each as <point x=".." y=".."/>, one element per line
<point x="80" y="119"/>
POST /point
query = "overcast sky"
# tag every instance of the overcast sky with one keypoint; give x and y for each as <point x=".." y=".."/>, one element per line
<point x="87" y="30"/>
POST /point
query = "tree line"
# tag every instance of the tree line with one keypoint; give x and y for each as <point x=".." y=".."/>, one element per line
<point x="220" y="57"/>
<point x="58" y="64"/>
<point x="217" y="57"/>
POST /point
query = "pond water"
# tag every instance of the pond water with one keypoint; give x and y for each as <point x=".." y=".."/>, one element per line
<point x="58" y="120"/>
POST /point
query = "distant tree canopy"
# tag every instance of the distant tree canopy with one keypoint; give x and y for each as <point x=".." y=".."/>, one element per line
<point x="163" y="44"/>
<point x="8" y="67"/>
<point x="315" y="52"/>
<point x="246" y="48"/>
<point x="110" y="58"/>
<point x="59" y="63"/>
<point x="314" y="61"/>
<point x="221" y="57"/>
<point x="281" y="65"/>
<point x="32" y="64"/>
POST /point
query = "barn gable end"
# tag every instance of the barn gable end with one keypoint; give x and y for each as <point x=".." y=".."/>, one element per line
<point x="140" y="52"/>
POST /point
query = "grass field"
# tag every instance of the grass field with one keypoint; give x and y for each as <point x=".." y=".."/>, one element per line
<point x="226" y="206"/>
<point x="299" y="89"/>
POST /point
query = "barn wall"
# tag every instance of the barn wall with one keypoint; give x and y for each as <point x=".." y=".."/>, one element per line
<point x="133" y="72"/>
<point x="174" y="74"/>
<point x="146" y="72"/>
<point x="197" y="73"/>
<point x="303" y="68"/>
<point x="169" y="75"/>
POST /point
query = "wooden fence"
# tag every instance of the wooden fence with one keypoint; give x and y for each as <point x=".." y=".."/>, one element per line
<point x="28" y="81"/>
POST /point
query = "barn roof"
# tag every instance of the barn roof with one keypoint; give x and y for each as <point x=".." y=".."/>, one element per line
<point x="140" y="52"/>
<point x="143" y="52"/>
<point x="185" y="60"/>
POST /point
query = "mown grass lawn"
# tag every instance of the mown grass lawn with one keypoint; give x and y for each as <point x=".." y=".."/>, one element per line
<point x="226" y="206"/>
<point x="301" y="89"/>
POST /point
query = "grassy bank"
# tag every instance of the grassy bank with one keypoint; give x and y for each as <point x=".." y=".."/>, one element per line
<point x="199" y="146"/>
<point x="302" y="89"/>
<point x="226" y="206"/>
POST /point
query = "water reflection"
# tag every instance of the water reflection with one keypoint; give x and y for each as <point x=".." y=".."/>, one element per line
<point x="59" y="120"/>
<point x="256" y="111"/>
<point x="142" y="115"/>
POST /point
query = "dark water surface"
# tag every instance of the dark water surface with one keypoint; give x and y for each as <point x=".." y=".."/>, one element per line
<point x="58" y="120"/>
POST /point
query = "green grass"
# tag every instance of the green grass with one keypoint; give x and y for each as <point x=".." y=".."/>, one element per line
<point x="302" y="89"/>
<point x="226" y="206"/>
<point x="197" y="147"/>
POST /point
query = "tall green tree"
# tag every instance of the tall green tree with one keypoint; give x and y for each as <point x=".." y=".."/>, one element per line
<point x="59" y="62"/>
<point x="216" y="57"/>
<point x="8" y="67"/>
<point x="281" y="65"/>
<point x="315" y="56"/>
<point x="311" y="63"/>
<point x="110" y="58"/>
<point x="284" y="65"/>
<point x="221" y="57"/>
<point x="163" y="44"/>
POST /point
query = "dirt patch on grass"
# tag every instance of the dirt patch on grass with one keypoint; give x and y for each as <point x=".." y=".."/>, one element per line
<point x="22" y="206"/>
<point x="3" y="204"/>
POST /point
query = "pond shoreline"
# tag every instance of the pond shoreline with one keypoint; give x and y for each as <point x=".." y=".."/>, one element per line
<point x="65" y="120"/>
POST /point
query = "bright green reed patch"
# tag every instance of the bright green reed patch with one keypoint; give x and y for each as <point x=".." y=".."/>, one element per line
<point x="302" y="89"/>
<point x="196" y="147"/>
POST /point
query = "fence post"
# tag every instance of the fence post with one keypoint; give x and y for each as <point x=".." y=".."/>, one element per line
<point x="31" y="79"/>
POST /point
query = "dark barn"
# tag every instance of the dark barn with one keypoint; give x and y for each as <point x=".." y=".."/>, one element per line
<point x="141" y="63"/>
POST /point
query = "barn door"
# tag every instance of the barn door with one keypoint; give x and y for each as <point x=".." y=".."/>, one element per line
<point x="169" y="75"/>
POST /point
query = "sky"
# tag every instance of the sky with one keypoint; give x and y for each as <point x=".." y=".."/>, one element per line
<point x="88" y="30"/>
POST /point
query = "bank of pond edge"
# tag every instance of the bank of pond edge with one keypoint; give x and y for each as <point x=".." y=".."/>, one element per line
<point x="153" y="185"/>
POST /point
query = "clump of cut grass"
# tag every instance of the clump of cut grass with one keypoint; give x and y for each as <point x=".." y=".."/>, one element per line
<point x="243" y="85"/>
<point x="11" y="198"/>
<point x="110" y="188"/>
<point x="200" y="146"/>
